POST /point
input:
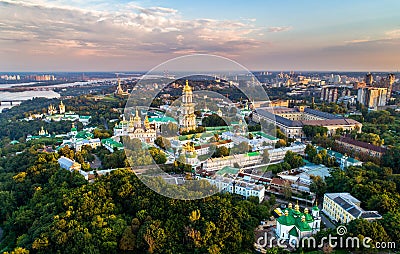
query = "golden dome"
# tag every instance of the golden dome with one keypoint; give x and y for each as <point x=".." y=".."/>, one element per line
<point x="187" y="88"/>
<point x="137" y="117"/>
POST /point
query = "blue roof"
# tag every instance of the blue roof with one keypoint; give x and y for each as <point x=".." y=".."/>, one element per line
<point x="278" y="118"/>
<point x="322" y="114"/>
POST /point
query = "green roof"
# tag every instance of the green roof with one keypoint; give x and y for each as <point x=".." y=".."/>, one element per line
<point x="286" y="220"/>
<point x="302" y="225"/>
<point x="315" y="208"/>
<point x="14" y="142"/>
<point x="297" y="213"/>
<point x="253" y="154"/>
<point x="228" y="170"/>
<point x="217" y="128"/>
<point x="85" y="117"/>
<point x="293" y="232"/>
<point x="309" y="218"/>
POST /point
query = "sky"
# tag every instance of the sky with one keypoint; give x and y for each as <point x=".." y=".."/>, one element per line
<point x="99" y="35"/>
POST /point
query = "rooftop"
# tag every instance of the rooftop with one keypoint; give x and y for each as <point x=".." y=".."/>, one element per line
<point x="352" y="205"/>
<point x="362" y="144"/>
<point x="329" y="119"/>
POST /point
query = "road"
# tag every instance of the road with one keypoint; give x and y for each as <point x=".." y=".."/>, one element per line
<point x="96" y="163"/>
<point x="326" y="221"/>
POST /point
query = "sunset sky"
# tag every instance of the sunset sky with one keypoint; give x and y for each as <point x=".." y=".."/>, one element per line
<point x="99" y="35"/>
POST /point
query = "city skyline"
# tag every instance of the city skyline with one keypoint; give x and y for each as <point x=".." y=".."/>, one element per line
<point x="58" y="35"/>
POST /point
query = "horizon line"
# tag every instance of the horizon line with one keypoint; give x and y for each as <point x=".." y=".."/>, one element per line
<point x="140" y="71"/>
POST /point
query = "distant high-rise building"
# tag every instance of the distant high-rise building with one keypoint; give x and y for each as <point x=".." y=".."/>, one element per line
<point x="358" y="85"/>
<point x="337" y="79"/>
<point x="390" y="79"/>
<point x="372" y="97"/>
<point x="346" y="92"/>
<point x="369" y="79"/>
<point x="329" y="94"/>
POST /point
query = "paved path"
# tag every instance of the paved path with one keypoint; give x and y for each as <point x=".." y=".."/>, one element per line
<point x="96" y="163"/>
<point x="326" y="221"/>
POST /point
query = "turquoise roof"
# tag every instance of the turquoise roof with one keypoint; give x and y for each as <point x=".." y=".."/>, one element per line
<point x="112" y="143"/>
<point x="84" y="135"/>
<point x="337" y="155"/>
<point x="228" y="170"/>
<point x="264" y="135"/>
<point x="165" y="119"/>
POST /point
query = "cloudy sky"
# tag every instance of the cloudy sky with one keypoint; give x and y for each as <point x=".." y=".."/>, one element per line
<point x="99" y="35"/>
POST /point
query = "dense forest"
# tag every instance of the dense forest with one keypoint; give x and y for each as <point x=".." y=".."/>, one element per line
<point x="46" y="210"/>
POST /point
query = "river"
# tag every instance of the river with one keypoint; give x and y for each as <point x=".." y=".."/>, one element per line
<point x="25" y="95"/>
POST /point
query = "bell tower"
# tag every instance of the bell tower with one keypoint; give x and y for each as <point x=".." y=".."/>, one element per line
<point x="187" y="121"/>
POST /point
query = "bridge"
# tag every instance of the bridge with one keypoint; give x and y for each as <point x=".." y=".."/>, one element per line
<point x="10" y="102"/>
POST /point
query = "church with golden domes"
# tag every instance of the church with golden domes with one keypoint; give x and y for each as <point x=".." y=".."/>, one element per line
<point x="119" y="90"/>
<point x="51" y="110"/>
<point x="134" y="128"/>
<point x="293" y="225"/>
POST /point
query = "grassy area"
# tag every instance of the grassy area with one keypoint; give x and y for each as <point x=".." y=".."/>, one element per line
<point x="274" y="168"/>
<point x="109" y="98"/>
<point x="265" y="169"/>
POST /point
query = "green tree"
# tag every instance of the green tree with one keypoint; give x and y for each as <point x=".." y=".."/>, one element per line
<point x="243" y="147"/>
<point x="213" y="121"/>
<point x="312" y="131"/>
<point x="221" y="151"/>
<point x="293" y="159"/>
<point x="158" y="155"/>
<point x="311" y="152"/>
<point x="162" y="142"/>
<point x="318" y="185"/>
